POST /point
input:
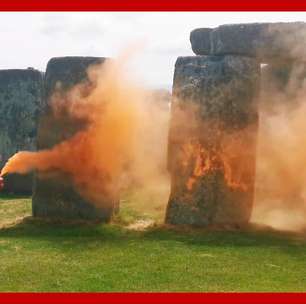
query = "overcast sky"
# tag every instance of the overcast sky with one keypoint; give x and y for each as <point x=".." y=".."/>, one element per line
<point x="31" y="39"/>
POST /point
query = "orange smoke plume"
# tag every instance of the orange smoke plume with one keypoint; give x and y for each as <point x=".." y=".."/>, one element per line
<point x="281" y="154"/>
<point x="95" y="157"/>
<point x="281" y="178"/>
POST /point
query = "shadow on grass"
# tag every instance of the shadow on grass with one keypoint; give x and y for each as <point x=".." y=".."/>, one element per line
<point x="81" y="235"/>
<point x="11" y="197"/>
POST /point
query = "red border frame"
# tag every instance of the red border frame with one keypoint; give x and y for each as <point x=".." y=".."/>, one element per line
<point x="152" y="298"/>
<point x="152" y="5"/>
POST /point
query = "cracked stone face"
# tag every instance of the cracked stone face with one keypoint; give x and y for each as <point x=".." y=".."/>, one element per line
<point x="56" y="197"/>
<point x="21" y="93"/>
<point x="212" y="140"/>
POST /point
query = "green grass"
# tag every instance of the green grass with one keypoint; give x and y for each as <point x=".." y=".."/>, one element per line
<point x="39" y="256"/>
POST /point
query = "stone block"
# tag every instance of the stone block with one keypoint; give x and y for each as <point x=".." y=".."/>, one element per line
<point x="212" y="140"/>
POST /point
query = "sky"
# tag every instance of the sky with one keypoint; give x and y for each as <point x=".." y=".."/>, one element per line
<point x="31" y="39"/>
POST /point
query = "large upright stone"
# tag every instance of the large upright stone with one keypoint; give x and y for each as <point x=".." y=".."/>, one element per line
<point x="212" y="140"/>
<point x="268" y="42"/>
<point x="56" y="197"/>
<point x="21" y="93"/>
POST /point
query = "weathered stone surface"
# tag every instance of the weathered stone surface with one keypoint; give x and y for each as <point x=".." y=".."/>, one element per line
<point x="21" y="93"/>
<point x="56" y="197"/>
<point x="212" y="140"/>
<point x="200" y="40"/>
<point x="268" y="42"/>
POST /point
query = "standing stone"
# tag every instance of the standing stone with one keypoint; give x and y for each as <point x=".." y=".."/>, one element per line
<point x="56" y="197"/>
<point x="212" y="140"/>
<point x="21" y="93"/>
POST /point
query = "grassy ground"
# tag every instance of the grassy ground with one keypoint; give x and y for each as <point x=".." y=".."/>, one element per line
<point x="37" y="256"/>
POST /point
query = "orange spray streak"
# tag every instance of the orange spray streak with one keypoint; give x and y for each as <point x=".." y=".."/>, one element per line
<point x="232" y="158"/>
